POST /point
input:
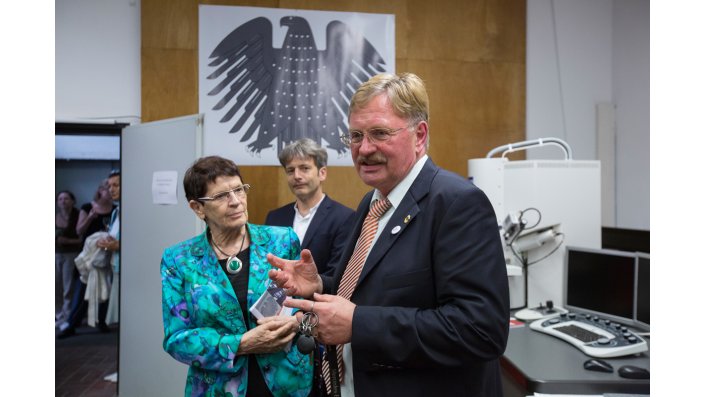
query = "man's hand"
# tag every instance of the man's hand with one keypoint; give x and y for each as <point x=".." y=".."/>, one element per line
<point x="335" y="316"/>
<point x="297" y="277"/>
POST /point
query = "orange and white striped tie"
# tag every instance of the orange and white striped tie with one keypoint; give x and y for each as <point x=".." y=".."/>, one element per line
<point x="352" y="273"/>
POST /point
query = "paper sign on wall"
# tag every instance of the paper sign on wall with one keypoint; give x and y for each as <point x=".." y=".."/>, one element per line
<point x="164" y="187"/>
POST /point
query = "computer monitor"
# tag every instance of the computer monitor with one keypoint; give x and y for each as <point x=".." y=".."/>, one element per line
<point x="621" y="239"/>
<point x="602" y="282"/>
<point x="643" y="281"/>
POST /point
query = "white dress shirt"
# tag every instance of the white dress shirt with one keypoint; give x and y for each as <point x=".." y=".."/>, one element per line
<point x="347" y="389"/>
<point x="302" y="222"/>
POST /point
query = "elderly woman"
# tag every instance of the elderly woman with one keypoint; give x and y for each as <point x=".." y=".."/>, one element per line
<point x="208" y="285"/>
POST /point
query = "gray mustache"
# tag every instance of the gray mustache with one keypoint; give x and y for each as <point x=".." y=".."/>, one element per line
<point x="371" y="160"/>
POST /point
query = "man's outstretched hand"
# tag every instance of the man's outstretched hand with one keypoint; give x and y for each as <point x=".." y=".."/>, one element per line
<point x="298" y="277"/>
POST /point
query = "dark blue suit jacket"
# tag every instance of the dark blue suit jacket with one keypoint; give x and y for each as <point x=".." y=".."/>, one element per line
<point x="432" y="314"/>
<point x="327" y="233"/>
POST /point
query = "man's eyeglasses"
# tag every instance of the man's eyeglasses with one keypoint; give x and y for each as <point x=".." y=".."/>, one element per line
<point x="240" y="193"/>
<point x="355" y="137"/>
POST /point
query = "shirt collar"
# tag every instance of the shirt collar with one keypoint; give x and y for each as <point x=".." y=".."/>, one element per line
<point x="399" y="191"/>
<point x="311" y="211"/>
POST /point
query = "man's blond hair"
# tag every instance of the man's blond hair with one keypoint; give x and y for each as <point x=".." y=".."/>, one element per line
<point x="406" y="93"/>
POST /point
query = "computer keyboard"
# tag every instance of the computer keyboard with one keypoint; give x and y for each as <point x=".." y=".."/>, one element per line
<point x="594" y="336"/>
<point x="579" y="333"/>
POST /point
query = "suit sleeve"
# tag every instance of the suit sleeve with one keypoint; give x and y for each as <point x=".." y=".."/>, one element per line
<point x="342" y="231"/>
<point x="268" y="220"/>
<point x="468" y="321"/>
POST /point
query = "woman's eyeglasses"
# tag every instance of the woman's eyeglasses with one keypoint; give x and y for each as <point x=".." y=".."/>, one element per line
<point x="240" y="193"/>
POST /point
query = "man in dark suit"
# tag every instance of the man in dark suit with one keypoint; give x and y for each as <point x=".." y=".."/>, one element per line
<point x="320" y="222"/>
<point x="429" y="311"/>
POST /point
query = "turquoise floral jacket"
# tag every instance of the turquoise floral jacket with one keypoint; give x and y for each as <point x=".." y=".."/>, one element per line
<point x="203" y="322"/>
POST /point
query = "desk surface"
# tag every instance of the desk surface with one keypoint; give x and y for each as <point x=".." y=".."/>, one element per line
<point x="545" y="364"/>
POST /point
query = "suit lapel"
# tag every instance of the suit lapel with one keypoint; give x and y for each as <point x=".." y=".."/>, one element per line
<point x="321" y="214"/>
<point x="290" y="215"/>
<point x="207" y="265"/>
<point x="259" y="246"/>
<point x="402" y="217"/>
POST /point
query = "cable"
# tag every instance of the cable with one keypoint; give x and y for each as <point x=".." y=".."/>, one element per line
<point x="521" y="217"/>
<point x="525" y="268"/>
<point x="522" y="260"/>
<point x="550" y="253"/>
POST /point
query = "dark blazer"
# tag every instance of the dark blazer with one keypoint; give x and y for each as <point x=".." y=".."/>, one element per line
<point x="432" y="314"/>
<point x="327" y="233"/>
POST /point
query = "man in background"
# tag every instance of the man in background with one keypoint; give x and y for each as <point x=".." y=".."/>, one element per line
<point x="318" y="220"/>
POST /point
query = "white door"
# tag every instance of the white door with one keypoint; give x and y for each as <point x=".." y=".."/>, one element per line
<point x="146" y="229"/>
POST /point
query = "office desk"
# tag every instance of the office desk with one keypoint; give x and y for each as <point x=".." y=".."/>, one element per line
<point x="536" y="362"/>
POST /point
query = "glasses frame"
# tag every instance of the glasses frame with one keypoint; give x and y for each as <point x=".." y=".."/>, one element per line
<point x="245" y="188"/>
<point x="347" y="139"/>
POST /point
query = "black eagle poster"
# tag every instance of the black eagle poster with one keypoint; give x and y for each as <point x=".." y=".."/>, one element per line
<point x="270" y="76"/>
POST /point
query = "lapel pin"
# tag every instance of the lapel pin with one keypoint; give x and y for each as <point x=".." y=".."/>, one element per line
<point x="407" y="219"/>
<point x="396" y="229"/>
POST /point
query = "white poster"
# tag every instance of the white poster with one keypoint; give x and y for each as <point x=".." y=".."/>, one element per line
<point x="270" y="76"/>
<point x="164" y="184"/>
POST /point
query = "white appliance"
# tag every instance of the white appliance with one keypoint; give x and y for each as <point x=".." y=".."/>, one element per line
<point x="566" y="194"/>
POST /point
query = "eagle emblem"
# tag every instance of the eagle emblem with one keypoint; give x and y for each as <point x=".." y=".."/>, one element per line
<point x="293" y="92"/>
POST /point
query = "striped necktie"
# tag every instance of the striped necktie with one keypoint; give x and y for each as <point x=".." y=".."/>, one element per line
<point x="352" y="273"/>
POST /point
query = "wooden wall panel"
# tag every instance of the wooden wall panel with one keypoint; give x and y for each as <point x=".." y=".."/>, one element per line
<point x="169" y="24"/>
<point x="487" y="115"/>
<point x="169" y="83"/>
<point x="344" y="185"/>
<point x="266" y="190"/>
<point x="469" y="31"/>
<point x="470" y="53"/>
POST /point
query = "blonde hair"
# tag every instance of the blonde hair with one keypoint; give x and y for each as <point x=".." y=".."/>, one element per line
<point x="406" y="93"/>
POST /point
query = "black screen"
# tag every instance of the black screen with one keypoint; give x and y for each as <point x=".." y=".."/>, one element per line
<point x="643" y="307"/>
<point x="626" y="239"/>
<point x="601" y="282"/>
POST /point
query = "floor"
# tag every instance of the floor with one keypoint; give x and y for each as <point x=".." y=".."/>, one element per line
<point x="83" y="360"/>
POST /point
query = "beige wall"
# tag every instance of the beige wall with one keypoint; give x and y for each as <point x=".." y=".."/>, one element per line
<point x="470" y="53"/>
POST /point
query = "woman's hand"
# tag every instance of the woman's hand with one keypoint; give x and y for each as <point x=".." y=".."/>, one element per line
<point x="108" y="243"/>
<point x="269" y="336"/>
<point x="297" y="277"/>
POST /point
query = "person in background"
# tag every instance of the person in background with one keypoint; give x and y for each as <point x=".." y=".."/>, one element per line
<point x="67" y="245"/>
<point x="320" y="222"/>
<point x="209" y="284"/>
<point x="112" y="244"/>
<point x="93" y="217"/>
<point x="419" y="305"/>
